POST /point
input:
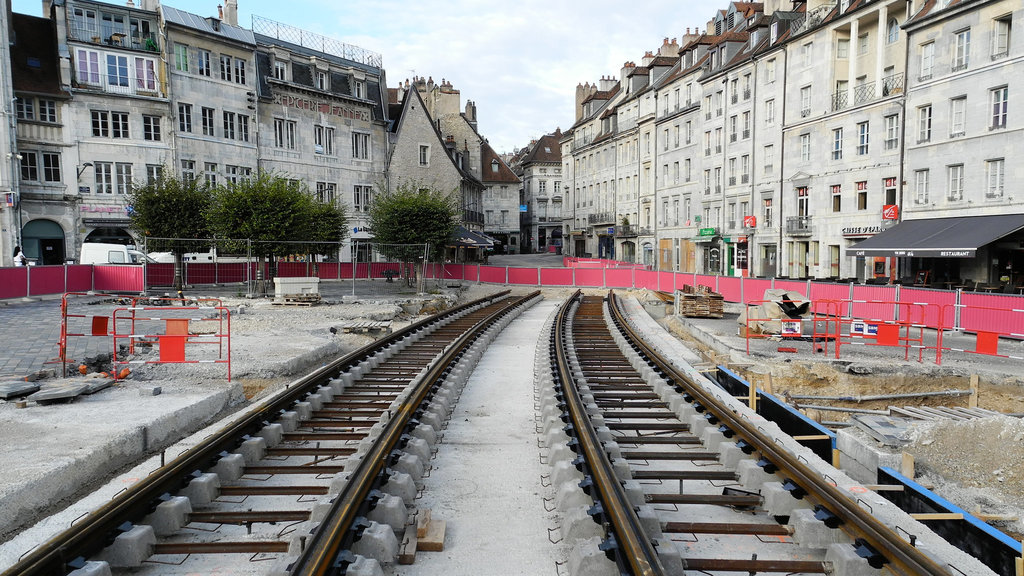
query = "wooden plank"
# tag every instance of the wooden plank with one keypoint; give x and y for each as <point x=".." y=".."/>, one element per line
<point x="907" y="465"/>
<point x="422" y="522"/>
<point x="972" y="400"/>
<point x="407" y="549"/>
<point x="434" y="539"/>
<point x="938" y="516"/>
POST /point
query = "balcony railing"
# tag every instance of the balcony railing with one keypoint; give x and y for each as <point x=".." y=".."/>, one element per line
<point x="732" y="137"/>
<point x="863" y="93"/>
<point x="799" y="226"/>
<point x="746" y="133"/>
<point x="840" y="100"/>
<point x="892" y="85"/>
<point x="473" y="217"/>
<point x="114" y="37"/>
<point x="626" y="231"/>
<point x="732" y="180"/>
<point x="601" y="218"/>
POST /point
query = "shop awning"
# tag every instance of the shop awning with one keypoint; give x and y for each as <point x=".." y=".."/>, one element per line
<point x="939" y="237"/>
<point x="462" y="237"/>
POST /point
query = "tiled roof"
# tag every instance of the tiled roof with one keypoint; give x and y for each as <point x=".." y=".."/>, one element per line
<point x="34" y="61"/>
<point x="548" y="149"/>
<point x="663" y="61"/>
<point x="487" y="158"/>
<point x="206" y="26"/>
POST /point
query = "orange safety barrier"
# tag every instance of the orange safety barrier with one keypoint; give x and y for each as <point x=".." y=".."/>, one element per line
<point x="987" y="341"/>
<point x="791" y="327"/>
<point x="98" y="327"/>
<point x="908" y="332"/>
<point x="177" y="335"/>
<point x="169" y="301"/>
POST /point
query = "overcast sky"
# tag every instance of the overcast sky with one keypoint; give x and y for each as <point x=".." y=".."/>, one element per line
<point x="519" y="61"/>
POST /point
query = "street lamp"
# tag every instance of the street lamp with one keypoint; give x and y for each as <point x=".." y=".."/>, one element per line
<point x="83" y="167"/>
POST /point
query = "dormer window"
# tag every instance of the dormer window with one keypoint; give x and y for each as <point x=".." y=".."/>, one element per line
<point x="494" y="166"/>
<point x="775" y="32"/>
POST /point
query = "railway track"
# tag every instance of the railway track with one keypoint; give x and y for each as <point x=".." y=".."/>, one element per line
<point x="304" y="482"/>
<point x="674" y="479"/>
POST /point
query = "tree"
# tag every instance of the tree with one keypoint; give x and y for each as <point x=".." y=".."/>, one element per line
<point x="279" y="216"/>
<point x="169" y="212"/>
<point x="412" y="214"/>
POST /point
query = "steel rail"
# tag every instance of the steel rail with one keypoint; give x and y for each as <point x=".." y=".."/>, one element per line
<point x="638" y="551"/>
<point x="97" y="530"/>
<point x="324" y="550"/>
<point x="901" y="555"/>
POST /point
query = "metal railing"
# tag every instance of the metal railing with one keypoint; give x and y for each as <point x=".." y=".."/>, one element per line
<point x="307" y="39"/>
<point x="799" y="225"/>
<point x="601" y="218"/>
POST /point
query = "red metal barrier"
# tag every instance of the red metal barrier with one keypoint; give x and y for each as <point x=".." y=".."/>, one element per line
<point x="729" y="288"/>
<point x="908" y="332"/>
<point x="118" y="278"/>
<point x="172" y="344"/>
<point x="589" y="278"/>
<point x="524" y="276"/>
<point x="14" y="282"/>
<point x="990" y="323"/>
<point x="556" y="277"/>
<point x="98" y="326"/>
<point x="618" y="278"/>
<point x="493" y="274"/>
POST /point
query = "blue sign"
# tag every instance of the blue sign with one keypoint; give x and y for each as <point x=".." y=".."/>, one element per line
<point x="522" y="207"/>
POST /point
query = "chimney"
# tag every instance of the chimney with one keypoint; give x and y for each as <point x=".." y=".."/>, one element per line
<point x="231" y="12"/>
<point x="220" y="12"/>
<point x="606" y="83"/>
<point x="471" y="113"/>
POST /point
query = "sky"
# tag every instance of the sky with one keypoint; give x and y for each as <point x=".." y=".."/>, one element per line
<point x="519" y="62"/>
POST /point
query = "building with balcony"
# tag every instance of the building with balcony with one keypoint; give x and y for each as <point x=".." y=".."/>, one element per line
<point x="541" y="172"/>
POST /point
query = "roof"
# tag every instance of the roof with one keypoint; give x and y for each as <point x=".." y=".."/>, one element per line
<point x="211" y="26"/>
<point x="399" y="121"/>
<point x="957" y="237"/>
<point x="34" y="60"/>
<point x="487" y="158"/>
<point x="547" y="150"/>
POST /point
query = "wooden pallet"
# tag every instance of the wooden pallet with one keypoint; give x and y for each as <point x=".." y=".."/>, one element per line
<point x="297" y="300"/>
<point x="701" y="305"/>
<point x="367" y="327"/>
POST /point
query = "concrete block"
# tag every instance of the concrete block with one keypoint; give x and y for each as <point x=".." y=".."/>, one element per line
<point x="253" y="450"/>
<point x="150" y="390"/>
<point x="229" y="468"/>
<point x="272" y="433"/>
<point x="846" y="562"/>
<point x="622" y="470"/>
<point x="586" y="559"/>
<point x="613" y="450"/>
<point x="92" y="568"/>
<point x="289" y="421"/>
<point x="433" y="420"/>
<point x="169" y="516"/>
<point x="379" y="542"/>
<point x="648" y="518"/>
<point x="340" y="480"/>
<point x="570" y="495"/>
<point x="564" y="472"/>
<point x="635" y="492"/>
<point x="401" y="485"/>
<point x="577" y="524"/>
<point x="202" y="490"/>
<point x="321" y="508"/>
<point x="729" y="454"/>
<point x="410" y="464"/>
<point x="364" y="566"/>
<point x="418" y="447"/>
<point x="304" y="410"/>
<point x="751" y="475"/>
<point x="712" y="438"/>
<point x="778" y="501"/>
<point x="861" y="456"/>
<point x="670" y="556"/>
<point x="810" y="532"/>
<point x="337" y="385"/>
<point x="426" y="433"/>
<point x="391" y="511"/>
<point x="315" y="401"/>
<point x="131" y="548"/>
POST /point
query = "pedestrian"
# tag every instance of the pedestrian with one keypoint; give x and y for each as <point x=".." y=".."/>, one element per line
<point x="19" y="256"/>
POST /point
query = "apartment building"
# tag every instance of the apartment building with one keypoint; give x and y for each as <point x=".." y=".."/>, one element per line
<point x="541" y="172"/>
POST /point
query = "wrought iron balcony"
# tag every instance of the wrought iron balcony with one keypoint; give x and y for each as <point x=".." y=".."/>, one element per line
<point x="626" y="231"/>
<point x="601" y="218"/>
<point x="840" y="100"/>
<point x="799" y="226"/>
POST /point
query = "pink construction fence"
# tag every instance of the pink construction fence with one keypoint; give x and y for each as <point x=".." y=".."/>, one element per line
<point x="970" y="311"/>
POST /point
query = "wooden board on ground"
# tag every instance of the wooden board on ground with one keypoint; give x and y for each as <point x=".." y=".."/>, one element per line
<point x="434" y="539"/>
<point x="407" y="549"/>
<point x="366" y="326"/>
<point x="422" y="521"/>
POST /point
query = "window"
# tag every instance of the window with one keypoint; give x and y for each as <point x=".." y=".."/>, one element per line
<point x="100" y="123"/>
<point x="123" y="182"/>
<point x="88" y="67"/>
<point x="26" y="108"/>
<point x="675" y="172"/>
<point x="207" y="117"/>
<point x="151" y="128"/>
<point x="325" y="192"/>
<point x="281" y="71"/>
<point x="802" y="202"/>
<point x="805" y="147"/>
<point x="920" y="186"/>
<point x="184" y="117"/>
<point x="927" y="59"/>
<point x="769" y="112"/>
<point x="359" y="89"/>
<point x="862" y="138"/>
<point x="203" y="62"/>
<point x="664" y="143"/>
<point x="210" y="173"/>
<point x="1001" y="37"/>
<point x="225" y="67"/>
<point x="843" y="48"/>
<point x="837" y="198"/>
<point x="957" y="108"/>
<point x="321" y="80"/>
<point x="1000" y="98"/>
<point x="117" y="70"/>
<point x="837" y="144"/>
<point x="48" y="111"/>
<point x="119" y="125"/>
<point x="961" y="50"/>
<point x="229" y="125"/>
<point x="675" y="136"/>
<point x="924" y="123"/>
<point x="892" y="132"/>
<point x="687" y="170"/>
<point x="955" y="182"/>
<point x="766" y="212"/>
<point x="862" y="44"/>
<point x="104" y="177"/>
<point x="188" y="170"/>
<point x="153" y="173"/>
<point x="744" y="168"/>
<point x="181" y="57"/>
<point x="994" y="171"/>
<point x="806" y="52"/>
<point x="746" y="125"/>
<point x="51" y="167"/>
<point x="360" y="146"/>
<point x="362" y="197"/>
<point x="239" y="71"/>
<point x="284" y="133"/>
<point x="145" y="74"/>
<point x="893" y="31"/>
<point x="689" y="132"/>
<point x="769" y="160"/>
<point x="323" y="140"/>
<point x="494" y="166"/>
<point x="243" y="127"/>
<point x="235" y="174"/>
<point x="29" y="166"/>
<point x="805" y="101"/>
<point x="862" y="195"/>
<point x="769" y="66"/>
<point x="424" y="155"/>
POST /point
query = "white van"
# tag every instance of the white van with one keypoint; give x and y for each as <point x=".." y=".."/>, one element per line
<point x="102" y="253"/>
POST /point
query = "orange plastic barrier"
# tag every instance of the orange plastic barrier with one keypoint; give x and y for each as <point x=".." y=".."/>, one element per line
<point x="173" y="343"/>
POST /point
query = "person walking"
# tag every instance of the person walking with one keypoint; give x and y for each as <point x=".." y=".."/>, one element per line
<point x="19" y="256"/>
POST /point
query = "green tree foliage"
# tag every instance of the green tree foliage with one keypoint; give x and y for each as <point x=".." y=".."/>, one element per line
<point x="170" y="209"/>
<point x="278" y="216"/>
<point x="413" y="214"/>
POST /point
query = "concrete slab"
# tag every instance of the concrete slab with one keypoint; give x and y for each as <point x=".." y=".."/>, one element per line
<point x="51" y="393"/>
<point x="17" y="389"/>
